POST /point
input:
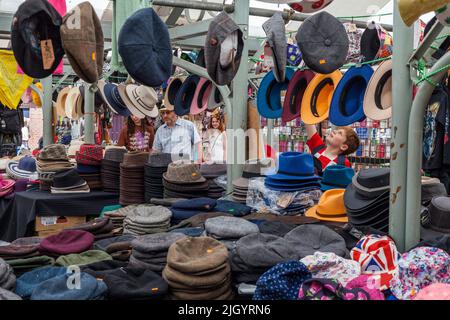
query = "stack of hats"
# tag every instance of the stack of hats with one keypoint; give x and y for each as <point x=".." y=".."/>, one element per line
<point x="229" y="229"/>
<point x="6" y="187"/>
<point x="51" y="159"/>
<point x="295" y="173"/>
<point x="83" y="258"/>
<point x="147" y="219"/>
<point x="25" y="249"/>
<point x="367" y="199"/>
<point x="117" y="216"/>
<point x="69" y="181"/>
<point x="89" y="160"/>
<point x="118" y="247"/>
<point x="431" y="187"/>
<point x="184" y="180"/>
<point x="150" y="251"/>
<point x="25" y="168"/>
<point x="336" y="177"/>
<point x="110" y="169"/>
<point x="198" y="269"/>
<point x="7" y="277"/>
<point x="154" y="170"/>
<point x="66" y="242"/>
<point x="101" y="228"/>
<point x="252" y="169"/>
<point x="186" y="209"/>
<point x="132" y="188"/>
<point x="211" y="172"/>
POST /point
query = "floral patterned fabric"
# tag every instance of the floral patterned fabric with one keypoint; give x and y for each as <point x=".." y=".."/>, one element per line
<point x="329" y="289"/>
<point x="419" y="268"/>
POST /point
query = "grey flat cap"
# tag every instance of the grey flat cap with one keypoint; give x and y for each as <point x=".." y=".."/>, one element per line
<point x="276" y="37"/>
<point x="229" y="227"/>
<point x="156" y="242"/>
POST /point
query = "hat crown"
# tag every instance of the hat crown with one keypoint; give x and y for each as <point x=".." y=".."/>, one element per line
<point x="27" y="164"/>
<point x="374" y="178"/>
<point x="332" y="203"/>
<point x="147" y="94"/>
<point x="439" y="210"/>
<point x="338" y="175"/>
<point x="296" y="163"/>
<point x="135" y="158"/>
<point x="429" y="264"/>
<point x="67" y="178"/>
<point x="115" y="154"/>
<point x="159" y="159"/>
<point x="53" y="152"/>
<point x="183" y="171"/>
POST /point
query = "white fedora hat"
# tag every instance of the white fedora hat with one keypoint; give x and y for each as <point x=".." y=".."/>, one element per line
<point x="378" y="96"/>
<point x="143" y="98"/>
<point x="123" y="94"/>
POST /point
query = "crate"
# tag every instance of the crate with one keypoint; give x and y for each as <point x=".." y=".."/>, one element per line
<point x="47" y="226"/>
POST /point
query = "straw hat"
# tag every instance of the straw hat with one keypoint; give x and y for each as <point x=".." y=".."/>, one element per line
<point x="123" y="94"/>
<point x="71" y="102"/>
<point x="61" y="102"/>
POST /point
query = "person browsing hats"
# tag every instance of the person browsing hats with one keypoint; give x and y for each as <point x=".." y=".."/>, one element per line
<point x="217" y="140"/>
<point x="177" y="136"/>
<point x="341" y="142"/>
<point x="137" y="135"/>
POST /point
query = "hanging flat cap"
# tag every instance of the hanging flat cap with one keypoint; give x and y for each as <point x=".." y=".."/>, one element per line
<point x="276" y="37"/>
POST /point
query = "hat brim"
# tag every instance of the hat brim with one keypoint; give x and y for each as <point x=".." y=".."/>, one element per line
<point x="152" y="113"/>
<point x="284" y="177"/>
<point x="71" y="101"/>
<point x="13" y="169"/>
<point x="348" y="99"/>
<point x="123" y="94"/>
<point x="101" y="87"/>
<point x="312" y="213"/>
<point x="378" y="97"/>
<point x="295" y="189"/>
<point x="185" y="95"/>
<point x="215" y="99"/>
<point x="201" y="96"/>
<point x="172" y="90"/>
<point x="355" y="202"/>
<point x="291" y="183"/>
<point x="108" y="93"/>
<point x="295" y="93"/>
<point x="61" y="102"/>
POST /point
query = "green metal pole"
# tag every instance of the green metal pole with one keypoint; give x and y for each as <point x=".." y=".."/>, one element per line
<point x="89" y="113"/>
<point x="402" y="100"/>
<point x="415" y="138"/>
<point x="47" y="111"/>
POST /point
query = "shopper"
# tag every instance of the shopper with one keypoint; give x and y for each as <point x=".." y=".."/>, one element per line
<point x="178" y="136"/>
<point x="216" y="140"/>
<point x="25" y="135"/>
<point x="341" y="142"/>
<point x="137" y="135"/>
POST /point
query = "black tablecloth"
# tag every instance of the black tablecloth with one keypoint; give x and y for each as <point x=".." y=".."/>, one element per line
<point x="17" y="215"/>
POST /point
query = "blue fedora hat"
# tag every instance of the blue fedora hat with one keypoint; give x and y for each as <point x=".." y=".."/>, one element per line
<point x="294" y="166"/>
<point x="113" y="100"/>
<point x="269" y="95"/>
<point x="185" y="95"/>
<point x="348" y="99"/>
<point x="144" y="45"/>
<point x="288" y="188"/>
<point x="336" y="177"/>
<point x="292" y="183"/>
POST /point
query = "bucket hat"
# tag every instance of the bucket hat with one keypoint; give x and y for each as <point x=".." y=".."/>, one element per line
<point x="435" y="291"/>
<point x="330" y="208"/>
<point x="123" y="94"/>
<point x="22" y="169"/>
<point x="295" y="94"/>
<point x="438" y="218"/>
<point x="32" y="19"/>
<point x="224" y="39"/>
<point x="378" y="97"/>
<point x="269" y="95"/>
<point x="276" y="37"/>
<point x="294" y="166"/>
<point x="144" y="45"/>
<point x="324" y="43"/>
<point x="411" y="10"/>
<point x="336" y="177"/>
<point x="185" y="95"/>
<point x="317" y="98"/>
<point x="215" y="99"/>
<point x="419" y="268"/>
<point x="67" y="242"/>
<point x="347" y="105"/>
<point x="180" y="172"/>
<point x="174" y="85"/>
<point x="376" y="43"/>
<point x="144" y="99"/>
<point x="378" y="257"/>
<point x="201" y="96"/>
<point x="84" y="44"/>
<point x="307" y="6"/>
<point x="112" y="98"/>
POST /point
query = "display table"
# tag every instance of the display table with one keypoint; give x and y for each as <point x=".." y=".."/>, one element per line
<point x="17" y="215"/>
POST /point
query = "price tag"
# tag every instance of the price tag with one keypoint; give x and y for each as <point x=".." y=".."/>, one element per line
<point x="48" y="55"/>
<point x="48" y="221"/>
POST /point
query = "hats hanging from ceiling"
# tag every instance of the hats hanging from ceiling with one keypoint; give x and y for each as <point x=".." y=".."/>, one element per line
<point x="215" y="99"/>
<point x="172" y="90"/>
<point x="122" y="88"/>
<point x="185" y="95"/>
<point x="269" y="95"/>
<point x="411" y="10"/>
<point x="324" y="43"/>
<point x="378" y="97"/>
<point x="144" y="45"/>
<point x="347" y="103"/>
<point x="72" y="105"/>
<point x="308" y="6"/>
<point x="317" y="97"/>
<point x="32" y="20"/>
<point x="223" y="49"/>
<point x="376" y="43"/>
<point x="295" y="93"/>
<point x="276" y="37"/>
<point x="201" y="96"/>
<point x="143" y="98"/>
<point x="83" y="43"/>
<point x="112" y="98"/>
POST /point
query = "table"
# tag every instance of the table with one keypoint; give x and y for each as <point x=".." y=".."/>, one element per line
<point x="17" y="215"/>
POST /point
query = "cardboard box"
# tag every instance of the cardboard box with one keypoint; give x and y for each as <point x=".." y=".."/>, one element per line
<point x="47" y="226"/>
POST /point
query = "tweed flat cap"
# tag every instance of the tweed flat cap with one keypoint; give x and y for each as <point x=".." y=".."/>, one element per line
<point x="276" y="37"/>
<point x="148" y="215"/>
<point x="6" y="295"/>
<point x="198" y="220"/>
<point x="180" y="280"/>
<point x="308" y="239"/>
<point x="229" y="228"/>
<point x="7" y="277"/>
<point x="155" y="242"/>
<point x="67" y="242"/>
<point x="53" y="152"/>
<point x="83" y="258"/>
<point x="27" y="241"/>
<point x="191" y="255"/>
<point x="276" y="228"/>
<point x="26" y="284"/>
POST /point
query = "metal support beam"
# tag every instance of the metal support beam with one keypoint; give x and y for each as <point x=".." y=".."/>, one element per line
<point x="199" y="42"/>
<point x="89" y="96"/>
<point x="402" y="100"/>
<point x="189" y="31"/>
<point x="47" y="111"/>
<point x="415" y="139"/>
<point x="174" y="16"/>
<point x="427" y="42"/>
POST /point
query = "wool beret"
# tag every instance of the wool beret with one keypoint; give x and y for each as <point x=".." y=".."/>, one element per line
<point x="67" y="242"/>
<point x="29" y="281"/>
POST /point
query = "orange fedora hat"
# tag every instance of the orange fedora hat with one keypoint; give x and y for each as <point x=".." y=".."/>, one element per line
<point x="330" y="208"/>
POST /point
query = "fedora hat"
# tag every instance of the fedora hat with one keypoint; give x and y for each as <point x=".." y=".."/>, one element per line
<point x="411" y="10"/>
<point x="123" y="94"/>
<point x="61" y="102"/>
<point x="112" y="97"/>
<point x="431" y="187"/>
<point x="330" y="208"/>
<point x="181" y="172"/>
<point x="336" y="177"/>
<point x="317" y="98"/>
<point x="71" y="102"/>
<point x="171" y="92"/>
<point x="269" y="95"/>
<point x="295" y="93"/>
<point x="144" y="45"/>
<point x="84" y="44"/>
<point x="185" y="95"/>
<point x="215" y="99"/>
<point x="68" y="179"/>
<point x="294" y="166"/>
<point x="324" y="43"/>
<point x="32" y="20"/>
<point x="376" y="43"/>
<point x="144" y="99"/>
<point x="308" y="6"/>
<point x="378" y="97"/>
<point x="438" y="218"/>
<point x="357" y="204"/>
<point x="372" y="182"/>
<point x="201" y="96"/>
<point x="276" y="38"/>
<point x="348" y="99"/>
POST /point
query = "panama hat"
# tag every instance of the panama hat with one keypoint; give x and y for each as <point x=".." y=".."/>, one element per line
<point x="378" y="97"/>
<point x="347" y="103"/>
<point x="201" y="96"/>
<point x="71" y="102"/>
<point x="172" y="90"/>
<point x="308" y="6"/>
<point x="185" y="95"/>
<point x="215" y="99"/>
<point x="376" y="43"/>
<point x="61" y="102"/>
<point x="123" y="94"/>
<point x="295" y="93"/>
<point x="269" y="95"/>
<point x="330" y="208"/>
<point x="317" y="97"/>
<point x="411" y="10"/>
<point x="144" y="99"/>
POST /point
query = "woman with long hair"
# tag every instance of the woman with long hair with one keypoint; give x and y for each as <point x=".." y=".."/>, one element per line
<point x="216" y="139"/>
<point x="137" y="135"/>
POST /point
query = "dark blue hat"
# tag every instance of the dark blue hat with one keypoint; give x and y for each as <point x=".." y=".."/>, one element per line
<point x="348" y="99"/>
<point x="234" y="208"/>
<point x="22" y="169"/>
<point x="295" y="166"/>
<point x="144" y="45"/>
<point x="282" y="282"/>
<point x="26" y="284"/>
<point x="111" y="93"/>
<point x="336" y="177"/>
<point x="199" y="204"/>
<point x="84" y="169"/>
<point x="185" y="95"/>
<point x="269" y="95"/>
<point x="288" y="187"/>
